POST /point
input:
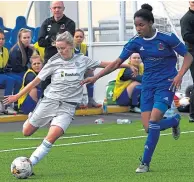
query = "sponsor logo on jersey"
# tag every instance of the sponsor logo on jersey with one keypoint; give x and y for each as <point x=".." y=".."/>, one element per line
<point x="72" y="74"/>
<point x="62" y="73"/>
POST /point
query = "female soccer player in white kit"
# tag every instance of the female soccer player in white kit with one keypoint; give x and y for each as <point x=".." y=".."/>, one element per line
<point x="61" y="96"/>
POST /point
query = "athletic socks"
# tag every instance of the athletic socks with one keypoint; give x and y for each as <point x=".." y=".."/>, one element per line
<point x="40" y="152"/>
<point x="151" y="142"/>
<point x="168" y="123"/>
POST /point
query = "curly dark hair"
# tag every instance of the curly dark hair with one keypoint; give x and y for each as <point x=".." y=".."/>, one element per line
<point x="145" y="12"/>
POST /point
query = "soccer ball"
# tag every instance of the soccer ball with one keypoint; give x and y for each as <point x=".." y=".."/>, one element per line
<point x="184" y="101"/>
<point x="21" y="168"/>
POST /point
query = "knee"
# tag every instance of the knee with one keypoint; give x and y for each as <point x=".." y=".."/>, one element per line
<point x="26" y="132"/>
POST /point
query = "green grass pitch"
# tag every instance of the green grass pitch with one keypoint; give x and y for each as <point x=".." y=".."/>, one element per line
<point x="111" y="156"/>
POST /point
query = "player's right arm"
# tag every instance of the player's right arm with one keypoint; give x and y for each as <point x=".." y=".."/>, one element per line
<point x="13" y="98"/>
<point x="125" y="54"/>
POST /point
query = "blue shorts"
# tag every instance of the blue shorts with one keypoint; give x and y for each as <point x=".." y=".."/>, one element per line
<point x="150" y="96"/>
<point x="29" y="104"/>
<point x="123" y="99"/>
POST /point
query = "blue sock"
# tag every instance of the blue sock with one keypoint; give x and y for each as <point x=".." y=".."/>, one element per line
<point x="168" y="123"/>
<point x="136" y="96"/>
<point x="151" y="142"/>
<point x="90" y="89"/>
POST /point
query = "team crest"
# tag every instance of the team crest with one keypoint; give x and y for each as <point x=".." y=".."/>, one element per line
<point x="62" y="26"/>
<point x="77" y="64"/>
<point x="49" y="28"/>
<point x="160" y="46"/>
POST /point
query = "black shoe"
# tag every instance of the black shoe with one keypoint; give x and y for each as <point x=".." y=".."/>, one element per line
<point x="191" y="120"/>
<point x="33" y="174"/>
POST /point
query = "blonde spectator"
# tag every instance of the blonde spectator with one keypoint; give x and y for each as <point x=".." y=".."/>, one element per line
<point x="28" y="102"/>
<point x="128" y="87"/>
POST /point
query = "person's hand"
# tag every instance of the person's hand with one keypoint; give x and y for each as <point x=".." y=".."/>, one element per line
<point x="176" y="83"/>
<point x="10" y="99"/>
<point x="134" y="70"/>
<point x="89" y="80"/>
<point x="31" y="46"/>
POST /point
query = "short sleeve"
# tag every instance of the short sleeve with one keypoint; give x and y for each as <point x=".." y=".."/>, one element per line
<point x="46" y="71"/>
<point x="177" y="45"/>
<point x="128" y="50"/>
<point x="91" y="63"/>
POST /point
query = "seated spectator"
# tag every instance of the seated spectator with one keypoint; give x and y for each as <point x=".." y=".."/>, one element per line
<point x="28" y="102"/>
<point x="20" y="53"/>
<point x="81" y="47"/>
<point x="19" y="57"/>
<point x="127" y="87"/>
<point x="6" y="82"/>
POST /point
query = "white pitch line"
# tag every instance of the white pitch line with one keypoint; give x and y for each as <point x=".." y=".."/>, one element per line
<point x="141" y="130"/>
<point x="93" y="141"/>
<point x="39" y="138"/>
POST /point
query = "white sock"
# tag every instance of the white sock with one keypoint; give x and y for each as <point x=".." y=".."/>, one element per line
<point x="40" y="152"/>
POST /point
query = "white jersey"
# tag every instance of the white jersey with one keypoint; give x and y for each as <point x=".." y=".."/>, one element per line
<point x="66" y="76"/>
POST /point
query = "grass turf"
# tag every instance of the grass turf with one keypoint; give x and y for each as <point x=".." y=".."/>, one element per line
<point x="101" y="159"/>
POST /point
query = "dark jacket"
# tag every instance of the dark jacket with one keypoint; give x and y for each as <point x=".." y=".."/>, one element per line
<point x="187" y="30"/>
<point x="48" y="31"/>
<point x="15" y="59"/>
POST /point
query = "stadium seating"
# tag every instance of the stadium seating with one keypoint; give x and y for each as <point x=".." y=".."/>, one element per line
<point x="35" y="35"/>
<point x="2" y="26"/>
<point x="20" y="23"/>
<point x="11" y="34"/>
<point x="7" y="33"/>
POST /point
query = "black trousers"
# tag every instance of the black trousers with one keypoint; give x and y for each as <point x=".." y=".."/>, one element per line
<point x="192" y="92"/>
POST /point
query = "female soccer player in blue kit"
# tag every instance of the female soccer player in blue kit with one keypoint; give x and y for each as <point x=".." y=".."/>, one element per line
<point x="160" y="79"/>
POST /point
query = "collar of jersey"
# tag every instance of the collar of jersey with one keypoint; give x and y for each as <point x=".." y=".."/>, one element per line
<point x="152" y="37"/>
<point x="59" y="21"/>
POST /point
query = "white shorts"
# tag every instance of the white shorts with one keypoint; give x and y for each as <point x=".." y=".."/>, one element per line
<point x="48" y="110"/>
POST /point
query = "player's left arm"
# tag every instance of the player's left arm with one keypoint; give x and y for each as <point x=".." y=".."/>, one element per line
<point x="180" y="48"/>
<point x="103" y="64"/>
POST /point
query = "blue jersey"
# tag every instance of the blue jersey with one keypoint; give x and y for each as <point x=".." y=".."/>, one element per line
<point x="158" y="56"/>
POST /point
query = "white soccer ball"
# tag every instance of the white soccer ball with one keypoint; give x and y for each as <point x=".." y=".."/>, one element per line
<point x="21" y="167"/>
<point x="184" y="101"/>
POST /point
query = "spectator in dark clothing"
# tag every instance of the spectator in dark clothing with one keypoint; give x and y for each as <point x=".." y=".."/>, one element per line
<point x="52" y="26"/>
<point x="129" y="86"/>
<point x="19" y="56"/>
<point x="28" y="102"/>
<point x="187" y="31"/>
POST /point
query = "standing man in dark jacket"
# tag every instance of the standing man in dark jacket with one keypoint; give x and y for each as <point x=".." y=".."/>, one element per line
<point x="52" y="26"/>
<point x="187" y="31"/>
